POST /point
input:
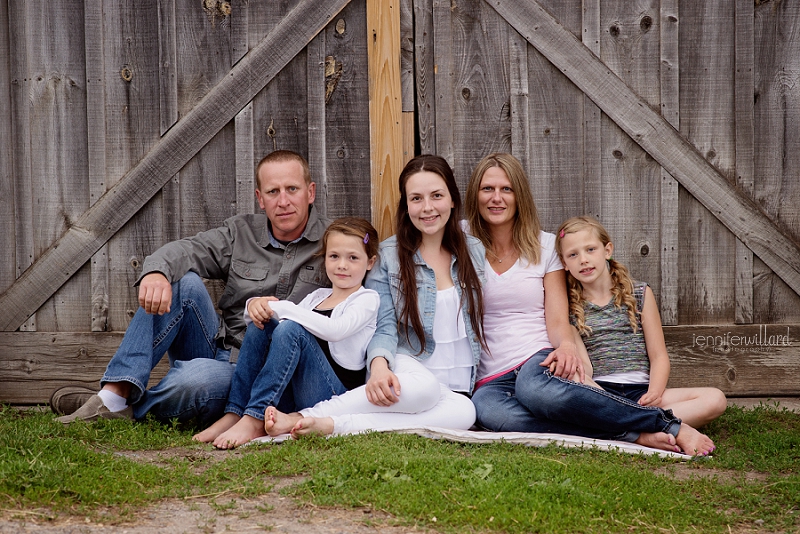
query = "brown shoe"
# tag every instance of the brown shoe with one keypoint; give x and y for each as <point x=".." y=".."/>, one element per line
<point x="66" y="400"/>
<point x="93" y="410"/>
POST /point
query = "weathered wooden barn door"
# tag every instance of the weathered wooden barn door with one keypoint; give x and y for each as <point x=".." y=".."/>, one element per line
<point x="673" y="122"/>
<point x="134" y="123"/>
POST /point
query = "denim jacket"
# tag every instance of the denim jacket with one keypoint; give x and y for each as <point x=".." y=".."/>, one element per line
<point x="385" y="279"/>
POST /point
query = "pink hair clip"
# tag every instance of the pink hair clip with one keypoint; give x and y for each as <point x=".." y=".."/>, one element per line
<point x="366" y="238"/>
<point x="561" y="234"/>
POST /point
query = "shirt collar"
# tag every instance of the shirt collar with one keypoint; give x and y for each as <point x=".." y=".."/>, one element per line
<point x="313" y="231"/>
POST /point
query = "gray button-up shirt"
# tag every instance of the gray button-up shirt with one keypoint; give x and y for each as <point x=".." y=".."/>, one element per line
<point x="243" y="253"/>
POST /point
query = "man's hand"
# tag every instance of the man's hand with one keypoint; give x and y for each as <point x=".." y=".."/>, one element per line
<point x="155" y="293"/>
<point x="259" y="310"/>
<point x="380" y="384"/>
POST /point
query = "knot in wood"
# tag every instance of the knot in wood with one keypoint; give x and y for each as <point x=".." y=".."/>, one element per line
<point x="126" y="73"/>
<point x="618" y="154"/>
<point x="646" y="23"/>
<point x="614" y="31"/>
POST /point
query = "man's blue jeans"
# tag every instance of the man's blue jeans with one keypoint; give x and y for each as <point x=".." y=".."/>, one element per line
<point x="531" y="399"/>
<point x="197" y="383"/>
<point x="283" y="366"/>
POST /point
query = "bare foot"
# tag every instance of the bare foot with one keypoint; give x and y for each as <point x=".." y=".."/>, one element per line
<point x="223" y="423"/>
<point x="321" y="426"/>
<point x="277" y="422"/>
<point x="658" y="440"/>
<point x="693" y="442"/>
<point x="248" y="428"/>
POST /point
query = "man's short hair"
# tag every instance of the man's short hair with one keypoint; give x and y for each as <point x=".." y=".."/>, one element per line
<point x="280" y="156"/>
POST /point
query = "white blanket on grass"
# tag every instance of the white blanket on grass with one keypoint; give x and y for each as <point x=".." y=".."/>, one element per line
<point x="523" y="438"/>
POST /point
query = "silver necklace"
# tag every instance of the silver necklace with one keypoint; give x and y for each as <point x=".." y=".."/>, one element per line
<point x="499" y="259"/>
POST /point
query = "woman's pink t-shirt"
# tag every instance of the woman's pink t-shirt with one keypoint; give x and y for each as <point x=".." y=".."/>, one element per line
<point x="513" y="318"/>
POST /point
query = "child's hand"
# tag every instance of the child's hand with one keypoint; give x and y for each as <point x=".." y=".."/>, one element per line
<point x="259" y="310"/>
<point x="651" y="398"/>
<point x="564" y="362"/>
<point x="381" y="382"/>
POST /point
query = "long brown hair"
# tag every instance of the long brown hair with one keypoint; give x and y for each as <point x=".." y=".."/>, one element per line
<point x="526" y="221"/>
<point x="622" y="288"/>
<point x="454" y="241"/>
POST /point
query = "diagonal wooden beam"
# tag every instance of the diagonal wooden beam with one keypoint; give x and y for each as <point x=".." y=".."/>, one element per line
<point x="100" y="222"/>
<point x="741" y="215"/>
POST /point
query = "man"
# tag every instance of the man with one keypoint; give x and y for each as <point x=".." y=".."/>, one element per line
<point x="255" y="256"/>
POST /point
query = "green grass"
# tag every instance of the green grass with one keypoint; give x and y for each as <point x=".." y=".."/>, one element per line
<point x="752" y="484"/>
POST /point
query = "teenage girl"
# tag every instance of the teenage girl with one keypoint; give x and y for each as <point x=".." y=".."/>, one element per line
<point x="316" y="351"/>
<point x="618" y="321"/>
<point x="427" y="346"/>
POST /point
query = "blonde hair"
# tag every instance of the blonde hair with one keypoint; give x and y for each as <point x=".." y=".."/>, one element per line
<point x="526" y="221"/>
<point x="622" y="283"/>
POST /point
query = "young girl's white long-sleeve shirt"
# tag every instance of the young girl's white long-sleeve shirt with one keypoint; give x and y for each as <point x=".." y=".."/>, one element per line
<point x="348" y="330"/>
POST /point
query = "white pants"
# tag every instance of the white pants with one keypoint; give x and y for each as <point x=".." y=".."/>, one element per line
<point x="423" y="402"/>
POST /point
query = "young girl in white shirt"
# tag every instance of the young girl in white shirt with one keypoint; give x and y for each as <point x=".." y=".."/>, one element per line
<point x="316" y="351"/>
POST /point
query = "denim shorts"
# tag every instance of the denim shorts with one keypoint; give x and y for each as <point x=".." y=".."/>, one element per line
<point x="632" y="392"/>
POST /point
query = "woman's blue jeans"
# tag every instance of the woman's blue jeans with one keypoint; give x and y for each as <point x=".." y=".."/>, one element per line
<point x="531" y="399"/>
<point x="283" y="366"/>
<point x="197" y="383"/>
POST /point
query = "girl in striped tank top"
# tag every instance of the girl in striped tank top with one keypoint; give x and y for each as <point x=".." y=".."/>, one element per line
<point x="619" y="324"/>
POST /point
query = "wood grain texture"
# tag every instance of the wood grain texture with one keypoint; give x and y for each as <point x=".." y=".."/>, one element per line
<point x="58" y="129"/>
<point x="777" y="145"/>
<point x="670" y="110"/>
<point x="474" y="87"/>
<point x="631" y="192"/>
<point x="425" y="69"/>
<point x="7" y="196"/>
<point x="34" y="364"/>
<point x="557" y="171"/>
<point x="743" y="102"/>
<point x="317" y="124"/>
<point x="95" y="226"/>
<point x="706" y="281"/>
<point x="385" y="109"/>
<point x="348" y="116"/>
<point x="741" y="215"/>
<point x="133" y="86"/>
<point x="741" y="360"/>
<point x="18" y="37"/>
<point x="592" y="134"/>
<point x="96" y="152"/>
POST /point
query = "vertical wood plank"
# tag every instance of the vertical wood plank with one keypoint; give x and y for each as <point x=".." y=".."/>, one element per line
<point x="133" y="125"/>
<point x="96" y="148"/>
<point x="425" y="69"/>
<point x="245" y="163"/>
<point x="347" y="113"/>
<point x="58" y="131"/>
<point x="592" y="172"/>
<point x="385" y="109"/>
<point x="520" y="119"/>
<point x="317" y="149"/>
<point x="776" y="145"/>
<point x="472" y="84"/>
<point x="743" y="89"/>
<point x="407" y="83"/>
<point x="706" y="280"/>
<point x="7" y="195"/>
<point x="280" y="110"/>
<point x="167" y="64"/>
<point x="556" y="128"/>
<point x="21" y="144"/>
<point x="443" y="74"/>
<point x="670" y="110"/>
<point x="207" y="182"/>
<point x="630" y="47"/>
